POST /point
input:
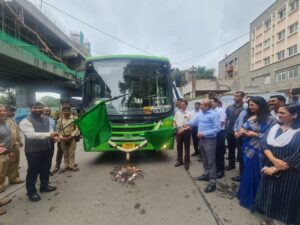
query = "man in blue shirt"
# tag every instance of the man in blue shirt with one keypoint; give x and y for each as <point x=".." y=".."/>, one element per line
<point x="209" y="125"/>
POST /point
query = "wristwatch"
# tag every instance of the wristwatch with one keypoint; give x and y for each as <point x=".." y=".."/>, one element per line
<point x="274" y="169"/>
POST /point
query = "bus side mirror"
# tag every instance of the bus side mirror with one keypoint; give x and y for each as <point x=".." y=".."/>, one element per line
<point x="177" y="83"/>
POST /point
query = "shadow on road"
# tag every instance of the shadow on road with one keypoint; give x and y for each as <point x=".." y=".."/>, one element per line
<point x="135" y="157"/>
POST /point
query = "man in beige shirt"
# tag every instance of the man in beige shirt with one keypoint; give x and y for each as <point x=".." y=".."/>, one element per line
<point x="16" y="140"/>
<point x="67" y="131"/>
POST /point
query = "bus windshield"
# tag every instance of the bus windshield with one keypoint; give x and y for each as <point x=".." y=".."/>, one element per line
<point x="144" y="85"/>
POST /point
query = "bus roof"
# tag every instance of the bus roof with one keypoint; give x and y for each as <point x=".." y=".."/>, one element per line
<point x="159" y="58"/>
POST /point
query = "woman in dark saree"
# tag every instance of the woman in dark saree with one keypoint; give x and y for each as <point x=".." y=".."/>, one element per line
<point x="278" y="194"/>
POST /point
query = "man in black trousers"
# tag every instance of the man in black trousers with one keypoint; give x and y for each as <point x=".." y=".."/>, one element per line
<point x="220" y="151"/>
<point x="38" y="150"/>
<point x="195" y="130"/>
<point x="183" y="137"/>
<point x="232" y="113"/>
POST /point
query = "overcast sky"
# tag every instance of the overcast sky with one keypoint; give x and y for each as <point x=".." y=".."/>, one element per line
<point x="177" y="29"/>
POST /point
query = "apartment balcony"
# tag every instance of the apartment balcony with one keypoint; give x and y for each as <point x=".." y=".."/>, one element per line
<point x="229" y="69"/>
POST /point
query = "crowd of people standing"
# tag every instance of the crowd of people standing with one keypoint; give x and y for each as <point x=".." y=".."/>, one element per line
<point x="263" y="136"/>
<point x="41" y="132"/>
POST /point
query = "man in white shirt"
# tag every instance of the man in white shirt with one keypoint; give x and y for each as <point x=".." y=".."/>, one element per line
<point x="220" y="151"/>
<point x="276" y="101"/>
<point x="183" y="137"/>
<point x="177" y="105"/>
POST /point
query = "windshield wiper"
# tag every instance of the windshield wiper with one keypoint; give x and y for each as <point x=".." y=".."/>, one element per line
<point x="114" y="98"/>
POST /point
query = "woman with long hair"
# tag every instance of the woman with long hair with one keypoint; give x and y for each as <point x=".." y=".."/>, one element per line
<point x="257" y="122"/>
<point x="278" y="195"/>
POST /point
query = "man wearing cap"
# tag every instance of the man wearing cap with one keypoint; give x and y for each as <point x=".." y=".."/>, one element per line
<point x="67" y="131"/>
<point x="6" y="153"/>
<point x="16" y="140"/>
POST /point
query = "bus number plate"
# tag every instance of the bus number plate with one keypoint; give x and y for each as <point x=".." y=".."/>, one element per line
<point x="128" y="145"/>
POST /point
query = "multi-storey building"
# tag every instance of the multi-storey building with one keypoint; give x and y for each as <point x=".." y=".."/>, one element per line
<point x="234" y="69"/>
<point x="274" y="44"/>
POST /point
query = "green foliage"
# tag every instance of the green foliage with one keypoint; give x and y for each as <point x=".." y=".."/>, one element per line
<point x="179" y="77"/>
<point x="50" y="101"/>
<point x="8" y="96"/>
<point x="203" y="73"/>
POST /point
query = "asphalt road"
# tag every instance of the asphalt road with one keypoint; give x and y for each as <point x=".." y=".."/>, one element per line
<point x="165" y="195"/>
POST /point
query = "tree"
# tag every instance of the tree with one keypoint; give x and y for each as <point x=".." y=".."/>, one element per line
<point x="203" y="73"/>
<point x="8" y="96"/>
<point x="50" y="101"/>
<point x="179" y="77"/>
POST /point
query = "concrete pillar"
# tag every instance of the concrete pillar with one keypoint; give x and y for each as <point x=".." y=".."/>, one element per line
<point x="25" y="95"/>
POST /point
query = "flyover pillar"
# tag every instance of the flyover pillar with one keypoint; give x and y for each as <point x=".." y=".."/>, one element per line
<point x="25" y="95"/>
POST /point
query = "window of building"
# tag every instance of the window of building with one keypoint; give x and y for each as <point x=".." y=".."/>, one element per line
<point x="281" y="75"/>
<point x="294" y="5"/>
<point x="280" y="55"/>
<point x="293" y="28"/>
<point x="230" y="75"/>
<point x="292" y="50"/>
<point x="281" y="35"/>
<point x="258" y="26"/>
<point x="268" y="23"/>
<point x="267" y="61"/>
<point x="281" y="13"/>
<point x="292" y="73"/>
<point x="267" y="79"/>
<point x="267" y="43"/>
<point x="259" y="45"/>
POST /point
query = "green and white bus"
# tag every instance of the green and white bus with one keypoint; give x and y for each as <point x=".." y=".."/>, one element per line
<point x="142" y="116"/>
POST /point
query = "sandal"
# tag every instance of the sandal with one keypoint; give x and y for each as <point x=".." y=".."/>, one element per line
<point x="63" y="170"/>
<point x="55" y="170"/>
<point x="75" y="169"/>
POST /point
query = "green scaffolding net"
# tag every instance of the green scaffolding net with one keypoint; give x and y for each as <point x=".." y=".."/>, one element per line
<point x="33" y="51"/>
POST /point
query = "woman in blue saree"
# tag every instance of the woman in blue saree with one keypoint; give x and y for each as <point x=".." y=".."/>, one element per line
<point x="257" y="123"/>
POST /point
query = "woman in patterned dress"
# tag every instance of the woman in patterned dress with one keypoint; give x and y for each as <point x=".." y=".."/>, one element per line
<point x="257" y="123"/>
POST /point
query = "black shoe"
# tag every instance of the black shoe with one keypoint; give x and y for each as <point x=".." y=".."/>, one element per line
<point x="195" y="154"/>
<point x="34" y="197"/>
<point x="229" y="167"/>
<point x="178" y="164"/>
<point x="236" y="179"/>
<point x="48" y="189"/>
<point x="202" y="178"/>
<point x="210" y="188"/>
<point x="220" y="175"/>
<point x="186" y="166"/>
